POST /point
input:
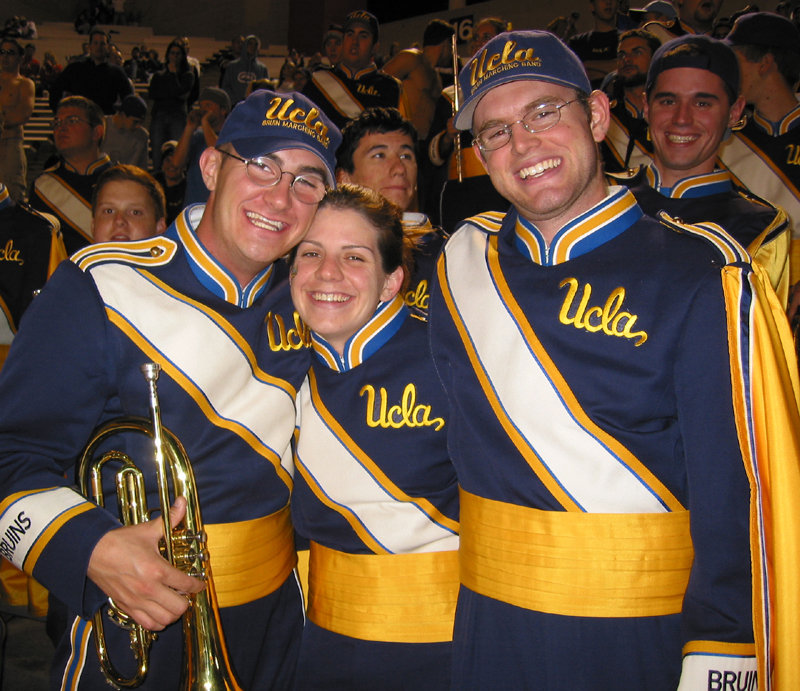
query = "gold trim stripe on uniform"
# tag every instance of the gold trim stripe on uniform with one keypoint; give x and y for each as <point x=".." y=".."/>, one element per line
<point x="575" y="564"/>
<point x="398" y="598"/>
<point x="251" y="559"/>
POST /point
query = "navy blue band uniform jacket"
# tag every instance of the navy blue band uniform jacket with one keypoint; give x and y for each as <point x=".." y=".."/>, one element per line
<point x="67" y="194"/>
<point x="761" y="228"/>
<point x="343" y="94"/>
<point x="231" y="364"/>
<point x="376" y="494"/>
<point x="606" y="514"/>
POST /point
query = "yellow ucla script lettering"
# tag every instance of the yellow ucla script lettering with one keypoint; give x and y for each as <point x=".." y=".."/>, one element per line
<point x="407" y="414"/>
<point x="419" y="297"/>
<point x="9" y="254"/>
<point x="507" y="56"/>
<point x="281" y="338"/>
<point x="279" y="107"/>
<point x="608" y="318"/>
<point x="793" y="158"/>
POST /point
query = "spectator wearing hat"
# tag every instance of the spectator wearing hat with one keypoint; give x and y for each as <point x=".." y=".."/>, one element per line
<point x="611" y="483"/>
<point x="126" y="141"/>
<point x="202" y="129"/>
<point x="356" y="83"/>
<point x="765" y="154"/>
<point x="172" y="179"/>
<point x="692" y="104"/>
<point x="332" y="45"/>
<point x="694" y="17"/>
<point x="656" y="11"/>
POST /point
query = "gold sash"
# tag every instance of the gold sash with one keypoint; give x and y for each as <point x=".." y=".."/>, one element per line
<point x="575" y="564"/>
<point x="251" y="559"/>
<point x="398" y="598"/>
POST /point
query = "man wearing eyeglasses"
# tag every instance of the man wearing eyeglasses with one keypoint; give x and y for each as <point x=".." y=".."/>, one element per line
<point x="65" y="189"/>
<point x="201" y="301"/>
<point x="609" y="440"/>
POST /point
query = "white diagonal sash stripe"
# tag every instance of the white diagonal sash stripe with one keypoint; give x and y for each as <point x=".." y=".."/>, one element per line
<point x="209" y="358"/>
<point x="400" y="526"/>
<point x="760" y="178"/>
<point x="617" y="138"/>
<point x="596" y="479"/>
<point x="69" y="206"/>
<point x="337" y="94"/>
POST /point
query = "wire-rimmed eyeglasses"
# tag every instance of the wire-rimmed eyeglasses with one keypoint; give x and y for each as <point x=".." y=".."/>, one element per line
<point x="264" y="172"/>
<point x="541" y="117"/>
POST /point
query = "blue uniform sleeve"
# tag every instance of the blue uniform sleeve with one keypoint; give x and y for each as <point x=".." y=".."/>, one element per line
<point x="54" y="388"/>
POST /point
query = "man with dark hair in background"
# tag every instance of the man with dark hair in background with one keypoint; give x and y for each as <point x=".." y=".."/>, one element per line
<point x="626" y="144"/>
<point x="93" y="77"/>
<point x="378" y="151"/>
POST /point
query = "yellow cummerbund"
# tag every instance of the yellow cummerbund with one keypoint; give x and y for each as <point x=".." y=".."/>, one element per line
<point x="397" y="598"/>
<point x="575" y="564"/>
<point x="251" y="559"/>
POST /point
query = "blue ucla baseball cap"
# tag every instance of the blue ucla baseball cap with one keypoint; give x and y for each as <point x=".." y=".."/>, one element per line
<point x="516" y="55"/>
<point x="267" y="122"/>
<point x="700" y="52"/>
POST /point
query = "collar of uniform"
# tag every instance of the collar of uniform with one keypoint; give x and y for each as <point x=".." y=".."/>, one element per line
<point x="693" y="187"/>
<point x="603" y="222"/>
<point x="782" y="126"/>
<point x="5" y="198"/>
<point x="633" y="111"/>
<point x="213" y="275"/>
<point x="372" y="67"/>
<point x="369" y="339"/>
<point x="97" y="167"/>
<point x="416" y="225"/>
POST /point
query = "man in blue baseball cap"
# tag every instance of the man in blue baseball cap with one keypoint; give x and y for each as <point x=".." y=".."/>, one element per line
<point x="203" y="301"/>
<point x="692" y="102"/>
<point x="608" y="478"/>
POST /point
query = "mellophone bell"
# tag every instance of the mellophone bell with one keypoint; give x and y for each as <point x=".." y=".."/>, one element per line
<point x="205" y="664"/>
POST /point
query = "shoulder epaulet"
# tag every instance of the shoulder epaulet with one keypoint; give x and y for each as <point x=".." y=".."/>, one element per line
<point x="490" y="221"/>
<point x="745" y="193"/>
<point x="624" y="176"/>
<point x="155" y="251"/>
<point x="731" y="251"/>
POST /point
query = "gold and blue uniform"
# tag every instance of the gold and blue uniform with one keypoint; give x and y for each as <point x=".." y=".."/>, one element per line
<point x="343" y="94"/>
<point x="62" y="191"/>
<point x="377" y="496"/>
<point x="230" y="369"/>
<point x="761" y="228"/>
<point x="764" y="157"/>
<point x="609" y="436"/>
<point x="428" y="242"/>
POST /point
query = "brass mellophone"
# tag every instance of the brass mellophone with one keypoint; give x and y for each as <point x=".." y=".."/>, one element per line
<point x="205" y="657"/>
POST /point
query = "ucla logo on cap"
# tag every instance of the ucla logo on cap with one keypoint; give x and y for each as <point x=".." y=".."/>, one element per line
<point x="281" y="113"/>
<point x="485" y="66"/>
